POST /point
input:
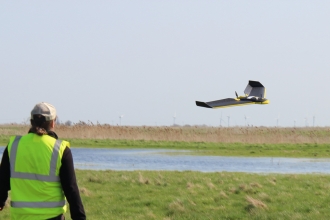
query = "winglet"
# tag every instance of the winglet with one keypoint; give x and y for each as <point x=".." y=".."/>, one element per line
<point x="255" y="83"/>
<point x="202" y="104"/>
<point x="255" y="88"/>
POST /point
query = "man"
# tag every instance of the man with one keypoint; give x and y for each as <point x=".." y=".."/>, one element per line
<point x="38" y="169"/>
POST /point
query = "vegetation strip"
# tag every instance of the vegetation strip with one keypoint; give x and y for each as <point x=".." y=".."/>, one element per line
<point x="252" y="135"/>
<point x="216" y="149"/>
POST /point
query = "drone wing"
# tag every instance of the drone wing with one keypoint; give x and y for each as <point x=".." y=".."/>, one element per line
<point x="255" y="88"/>
<point x="224" y="103"/>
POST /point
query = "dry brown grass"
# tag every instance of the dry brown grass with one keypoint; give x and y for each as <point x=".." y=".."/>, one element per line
<point x="255" y="203"/>
<point x="256" y="185"/>
<point x="176" y="206"/>
<point x="195" y="134"/>
<point x="223" y="195"/>
<point x="210" y="185"/>
<point x="84" y="191"/>
<point x="264" y="197"/>
<point x="190" y="185"/>
<point x="272" y="181"/>
<point x="143" y="180"/>
<point x="7" y="204"/>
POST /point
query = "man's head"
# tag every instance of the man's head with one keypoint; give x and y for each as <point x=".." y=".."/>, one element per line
<point x="45" y="109"/>
<point x="43" y="117"/>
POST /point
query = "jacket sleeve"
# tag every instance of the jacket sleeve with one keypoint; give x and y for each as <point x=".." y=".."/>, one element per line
<point x="70" y="187"/>
<point x="4" y="178"/>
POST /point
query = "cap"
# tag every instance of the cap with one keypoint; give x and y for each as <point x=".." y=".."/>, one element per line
<point x="45" y="109"/>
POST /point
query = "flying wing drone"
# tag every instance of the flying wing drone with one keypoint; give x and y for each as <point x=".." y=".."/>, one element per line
<point x="255" y="93"/>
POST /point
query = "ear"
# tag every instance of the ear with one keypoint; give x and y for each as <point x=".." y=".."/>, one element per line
<point x="52" y="124"/>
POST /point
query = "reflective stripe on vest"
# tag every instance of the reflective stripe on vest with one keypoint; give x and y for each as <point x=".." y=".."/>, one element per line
<point x="33" y="176"/>
<point x="37" y="204"/>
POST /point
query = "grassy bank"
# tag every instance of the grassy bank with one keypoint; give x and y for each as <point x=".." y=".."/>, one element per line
<point x="195" y="195"/>
<point x="235" y="141"/>
<point x="218" y="149"/>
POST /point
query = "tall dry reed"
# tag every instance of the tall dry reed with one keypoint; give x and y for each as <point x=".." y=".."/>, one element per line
<point x="188" y="133"/>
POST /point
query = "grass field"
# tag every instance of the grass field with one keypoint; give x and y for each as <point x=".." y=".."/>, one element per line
<point x="194" y="195"/>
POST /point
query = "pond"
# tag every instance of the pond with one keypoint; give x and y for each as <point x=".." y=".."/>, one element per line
<point x="179" y="160"/>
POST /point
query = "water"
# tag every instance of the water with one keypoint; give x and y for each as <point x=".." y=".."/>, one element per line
<point x="148" y="159"/>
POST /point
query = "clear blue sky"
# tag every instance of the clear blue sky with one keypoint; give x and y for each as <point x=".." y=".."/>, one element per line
<point x="149" y="60"/>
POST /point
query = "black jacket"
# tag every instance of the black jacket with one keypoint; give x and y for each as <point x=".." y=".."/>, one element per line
<point x="67" y="177"/>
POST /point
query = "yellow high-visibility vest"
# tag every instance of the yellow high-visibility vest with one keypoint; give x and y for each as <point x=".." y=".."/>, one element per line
<point x="36" y="190"/>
